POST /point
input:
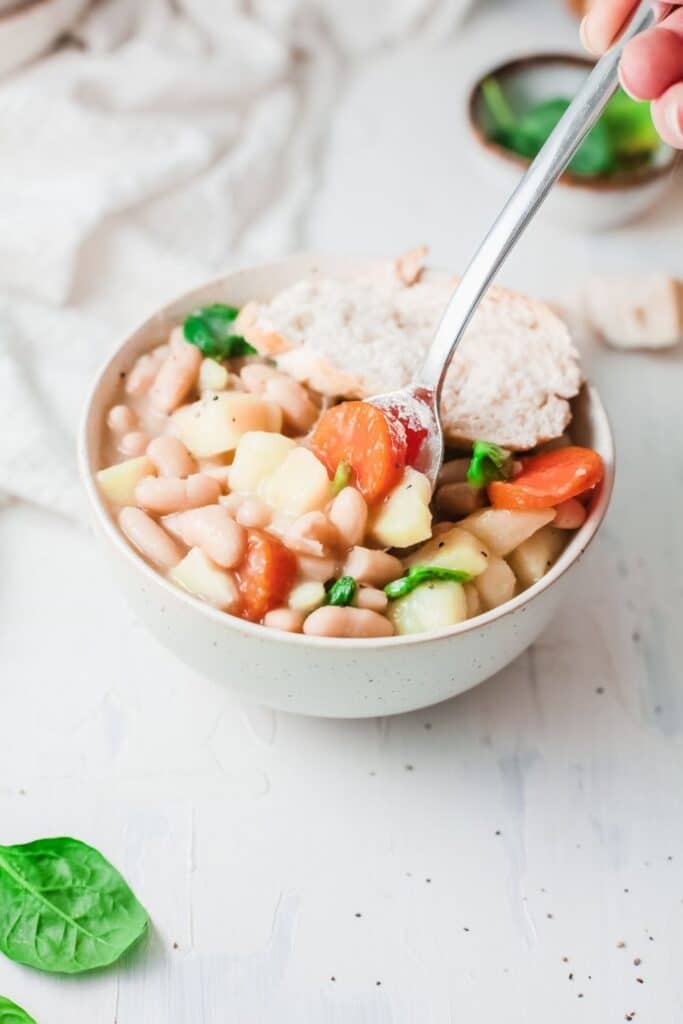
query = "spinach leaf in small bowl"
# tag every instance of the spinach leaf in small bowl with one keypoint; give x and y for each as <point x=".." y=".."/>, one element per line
<point x="623" y="138"/>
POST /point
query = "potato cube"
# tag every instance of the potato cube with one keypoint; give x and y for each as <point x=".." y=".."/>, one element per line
<point x="532" y="559"/>
<point x="430" y="606"/>
<point x="300" y="484"/>
<point x="202" y="577"/>
<point x="404" y="517"/>
<point x="212" y="376"/>
<point x="118" y="482"/>
<point x="215" y="423"/>
<point x="306" y="597"/>
<point x="455" y="549"/>
<point x="502" y="530"/>
<point x="257" y="457"/>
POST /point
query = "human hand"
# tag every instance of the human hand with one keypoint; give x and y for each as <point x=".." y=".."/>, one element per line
<point x="652" y="63"/>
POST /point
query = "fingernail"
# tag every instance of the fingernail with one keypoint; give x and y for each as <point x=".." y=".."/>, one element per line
<point x="623" y="81"/>
<point x="584" y="35"/>
<point x="674" y="119"/>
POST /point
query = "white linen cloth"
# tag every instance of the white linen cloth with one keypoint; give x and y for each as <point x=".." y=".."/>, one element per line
<point x="163" y="143"/>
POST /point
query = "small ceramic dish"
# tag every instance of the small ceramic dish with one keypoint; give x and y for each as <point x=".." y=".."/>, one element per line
<point x="28" y="30"/>
<point x="577" y="201"/>
<point x="311" y="675"/>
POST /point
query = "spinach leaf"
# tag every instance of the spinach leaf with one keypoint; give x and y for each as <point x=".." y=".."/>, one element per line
<point x="210" y="329"/>
<point x="631" y="128"/>
<point x="342" y="477"/>
<point x="594" y="156"/>
<point x="526" y="133"/>
<point x="420" y="574"/>
<point x="10" y="1013"/>
<point x="489" y="462"/>
<point x="342" y="592"/>
<point x="64" y="908"/>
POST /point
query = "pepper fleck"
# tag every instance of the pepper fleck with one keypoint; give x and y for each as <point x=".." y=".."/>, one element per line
<point x="621" y="944"/>
<point x="637" y="962"/>
<point x="600" y="689"/>
<point x="640" y="981"/>
<point x="357" y="914"/>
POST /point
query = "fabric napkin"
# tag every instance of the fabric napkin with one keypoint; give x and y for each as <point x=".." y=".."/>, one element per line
<point x="161" y="144"/>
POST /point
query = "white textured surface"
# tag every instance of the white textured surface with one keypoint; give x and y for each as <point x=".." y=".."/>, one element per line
<point x="254" y="839"/>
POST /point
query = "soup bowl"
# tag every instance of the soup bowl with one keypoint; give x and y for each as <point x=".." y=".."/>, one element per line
<point x="313" y="675"/>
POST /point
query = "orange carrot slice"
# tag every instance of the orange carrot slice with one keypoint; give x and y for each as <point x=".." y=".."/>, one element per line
<point x="549" y="478"/>
<point x="373" y="443"/>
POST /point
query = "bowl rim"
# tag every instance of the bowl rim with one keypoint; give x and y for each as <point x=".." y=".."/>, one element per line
<point x="572" y="553"/>
<point x="627" y="181"/>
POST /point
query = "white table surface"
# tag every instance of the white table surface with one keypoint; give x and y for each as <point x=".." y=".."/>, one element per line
<point x="506" y="856"/>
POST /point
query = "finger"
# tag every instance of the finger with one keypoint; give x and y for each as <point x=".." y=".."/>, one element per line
<point x="653" y="61"/>
<point x="604" y="22"/>
<point x="667" y="114"/>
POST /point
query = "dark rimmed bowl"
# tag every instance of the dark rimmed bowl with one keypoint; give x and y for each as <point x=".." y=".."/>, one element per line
<point x="597" y="202"/>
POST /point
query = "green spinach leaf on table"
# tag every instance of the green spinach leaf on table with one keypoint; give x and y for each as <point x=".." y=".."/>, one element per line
<point x="64" y="908"/>
<point x="10" y="1013"/>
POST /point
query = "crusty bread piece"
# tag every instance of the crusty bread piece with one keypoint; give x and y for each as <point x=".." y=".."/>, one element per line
<point x="363" y="334"/>
<point x="635" y="310"/>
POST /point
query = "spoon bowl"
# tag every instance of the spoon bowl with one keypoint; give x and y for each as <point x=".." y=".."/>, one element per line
<point x="416" y="407"/>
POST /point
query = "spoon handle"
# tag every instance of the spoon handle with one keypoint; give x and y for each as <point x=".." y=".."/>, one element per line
<point x="520" y="208"/>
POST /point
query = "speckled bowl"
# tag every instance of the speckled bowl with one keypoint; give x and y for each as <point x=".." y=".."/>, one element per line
<point x="309" y="675"/>
<point x="575" y="201"/>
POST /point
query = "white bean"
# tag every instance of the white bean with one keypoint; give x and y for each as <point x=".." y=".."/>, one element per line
<point x="374" y="567"/>
<point x="212" y="529"/>
<point x="453" y="472"/>
<point x="299" y="412"/>
<point x="121" y="419"/>
<point x="320" y="569"/>
<point x="232" y="502"/>
<point x="347" y="622"/>
<point x="254" y="513"/>
<point x="474" y="605"/>
<point x="286" y="619"/>
<point x="459" y="499"/>
<point x="171" y="494"/>
<point x="370" y="597"/>
<point x="145" y="369"/>
<point x="218" y="470"/>
<point x="255" y="376"/>
<point x="311" y="534"/>
<point x="171" y="457"/>
<point x="569" y="515"/>
<point x="177" y="374"/>
<point x="134" y="444"/>
<point x="149" y="538"/>
<point x="349" y="513"/>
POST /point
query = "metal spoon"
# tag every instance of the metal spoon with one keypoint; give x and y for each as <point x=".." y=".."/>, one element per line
<point x="417" y="405"/>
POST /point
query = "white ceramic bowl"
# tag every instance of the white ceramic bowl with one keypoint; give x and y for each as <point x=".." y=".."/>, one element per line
<point x="575" y="201"/>
<point x="318" y="676"/>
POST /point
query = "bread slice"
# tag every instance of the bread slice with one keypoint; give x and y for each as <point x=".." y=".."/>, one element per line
<point x="365" y="333"/>
<point x="635" y="310"/>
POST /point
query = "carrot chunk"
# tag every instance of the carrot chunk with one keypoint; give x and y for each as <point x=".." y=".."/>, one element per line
<point x="373" y="443"/>
<point x="266" y="575"/>
<point x="548" y="479"/>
